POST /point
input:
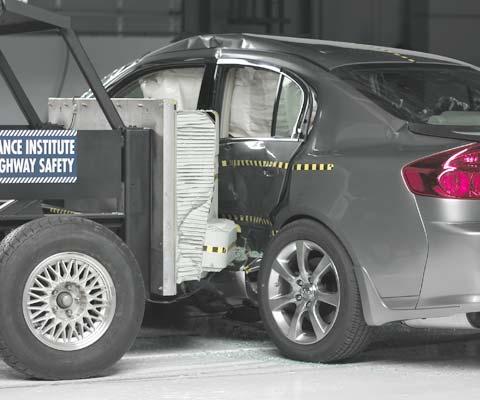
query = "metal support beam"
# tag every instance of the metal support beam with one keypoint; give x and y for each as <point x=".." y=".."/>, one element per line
<point x="18" y="93"/>
<point x="169" y="245"/>
<point x="92" y="78"/>
<point x="137" y="192"/>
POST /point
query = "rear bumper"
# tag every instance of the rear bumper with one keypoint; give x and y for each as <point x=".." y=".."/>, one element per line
<point x="378" y="312"/>
<point x="451" y="280"/>
<point x="452" y="271"/>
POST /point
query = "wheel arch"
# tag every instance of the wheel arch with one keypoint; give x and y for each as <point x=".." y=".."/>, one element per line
<point x="351" y="326"/>
<point x="327" y="224"/>
<point x="371" y="301"/>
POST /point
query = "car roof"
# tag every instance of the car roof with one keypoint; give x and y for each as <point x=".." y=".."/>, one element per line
<point x="328" y="54"/>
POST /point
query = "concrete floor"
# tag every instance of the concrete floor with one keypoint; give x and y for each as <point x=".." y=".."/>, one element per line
<point x="223" y="360"/>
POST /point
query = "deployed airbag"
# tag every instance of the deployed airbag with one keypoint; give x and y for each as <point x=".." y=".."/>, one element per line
<point x="180" y="84"/>
<point x="253" y="93"/>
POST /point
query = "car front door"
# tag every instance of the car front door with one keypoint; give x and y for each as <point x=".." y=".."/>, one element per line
<point x="264" y="115"/>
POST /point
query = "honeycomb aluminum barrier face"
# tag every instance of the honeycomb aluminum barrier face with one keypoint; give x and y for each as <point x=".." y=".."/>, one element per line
<point x="196" y="156"/>
<point x="204" y="242"/>
<point x="184" y="188"/>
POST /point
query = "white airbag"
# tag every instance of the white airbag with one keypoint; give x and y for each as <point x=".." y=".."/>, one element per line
<point x="180" y="84"/>
<point x="252" y="101"/>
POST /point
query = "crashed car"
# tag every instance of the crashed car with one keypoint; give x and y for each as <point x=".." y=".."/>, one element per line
<point x="352" y="170"/>
<point x="333" y="185"/>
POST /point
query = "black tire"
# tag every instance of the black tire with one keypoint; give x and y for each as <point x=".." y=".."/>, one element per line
<point x="349" y="333"/>
<point x="21" y="251"/>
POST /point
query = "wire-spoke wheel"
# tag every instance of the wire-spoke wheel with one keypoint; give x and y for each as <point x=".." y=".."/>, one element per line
<point x="308" y="295"/>
<point x="71" y="298"/>
<point x="69" y="301"/>
<point x="304" y="292"/>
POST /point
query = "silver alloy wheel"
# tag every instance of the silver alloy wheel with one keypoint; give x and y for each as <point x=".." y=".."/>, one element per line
<point x="304" y="292"/>
<point x="69" y="301"/>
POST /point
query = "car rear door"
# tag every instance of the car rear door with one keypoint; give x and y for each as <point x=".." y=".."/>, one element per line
<point x="264" y="114"/>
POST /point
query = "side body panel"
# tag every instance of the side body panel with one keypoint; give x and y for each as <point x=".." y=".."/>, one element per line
<point x="253" y="171"/>
<point x="363" y="199"/>
<point x="358" y="193"/>
<point x="251" y="177"/>
<point x="347" y="175"/>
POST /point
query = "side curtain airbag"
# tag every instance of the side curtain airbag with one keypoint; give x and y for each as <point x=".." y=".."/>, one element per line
<point x="180" y="84"/>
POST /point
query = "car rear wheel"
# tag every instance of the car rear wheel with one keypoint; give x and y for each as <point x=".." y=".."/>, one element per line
<point x="71" y="298"/>
<point x="308" y="295"/>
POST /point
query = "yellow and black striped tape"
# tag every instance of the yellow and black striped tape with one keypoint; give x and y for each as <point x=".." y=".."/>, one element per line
<point x="400" y="55"/>
<point x="218" y="249"/>
<point x="314" y="167"/>
<point x="55" y="210"/>
<point x="250" y="219"/>
<point x="255" y="163"/>
<point x="215" y="249"/>
<point x="278" y="164"/>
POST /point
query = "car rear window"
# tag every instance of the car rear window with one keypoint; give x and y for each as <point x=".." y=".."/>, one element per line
<point x="426" y="94"/>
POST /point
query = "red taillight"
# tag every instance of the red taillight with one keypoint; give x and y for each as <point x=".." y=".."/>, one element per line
<point x="453" y="174"/>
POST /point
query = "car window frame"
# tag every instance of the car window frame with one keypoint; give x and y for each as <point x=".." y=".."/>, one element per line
<point x="339" y="71"/>
<point x="297" y="127"/>
<point x="204" y="97"/>
<point x="299" y="133"/>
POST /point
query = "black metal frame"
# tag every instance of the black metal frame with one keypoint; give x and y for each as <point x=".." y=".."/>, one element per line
<point x="92" y="78"/>
<point x="17" y="17"/>
<point x="98" y="176"/>
<point x="18" y="93"/>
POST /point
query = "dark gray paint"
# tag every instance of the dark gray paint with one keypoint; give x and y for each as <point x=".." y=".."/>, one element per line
<point x="253" y="191"/>
<point x="401" y="246"/>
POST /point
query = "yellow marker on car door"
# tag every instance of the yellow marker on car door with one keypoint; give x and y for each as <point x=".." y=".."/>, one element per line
<point x="278" y="165"/>
<point x="314" y="167"/>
